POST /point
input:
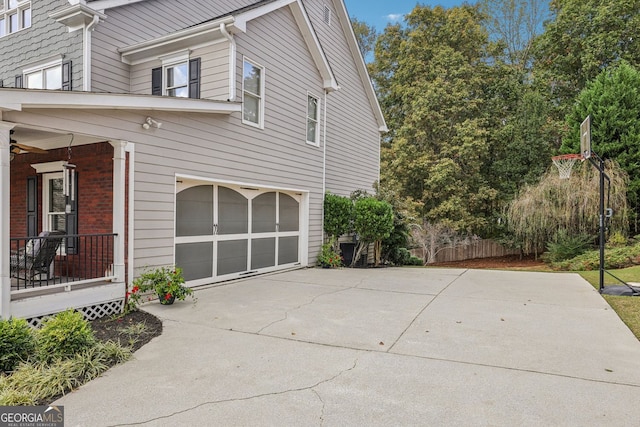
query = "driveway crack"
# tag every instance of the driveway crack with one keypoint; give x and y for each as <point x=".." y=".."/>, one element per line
<point x="244" y="399"/>
<point x="423" y="309"/>
<point x="286" y="313"/>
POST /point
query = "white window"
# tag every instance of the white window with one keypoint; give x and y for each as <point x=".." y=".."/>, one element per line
<point x="15" y="15"/>
<point x="54" y="203"/>
<point x="176" y="79"/>
<point x="252" y="94"/>
<point x="46" y="76"/>
<point x="313" y="119"/>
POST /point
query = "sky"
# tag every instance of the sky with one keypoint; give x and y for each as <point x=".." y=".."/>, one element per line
<point x="381" y="12"/>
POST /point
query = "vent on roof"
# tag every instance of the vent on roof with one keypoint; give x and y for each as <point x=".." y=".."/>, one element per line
<point x="327" y="15"/>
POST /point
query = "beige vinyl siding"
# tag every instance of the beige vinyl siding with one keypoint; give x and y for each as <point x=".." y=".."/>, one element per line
<point x="217" y="147"/>
<point x="138" y="22"/>
<point x="214" y="72"/>
<point x="353" y="139"/>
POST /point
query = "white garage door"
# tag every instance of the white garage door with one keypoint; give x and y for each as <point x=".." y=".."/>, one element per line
<point x="225" y="231"/>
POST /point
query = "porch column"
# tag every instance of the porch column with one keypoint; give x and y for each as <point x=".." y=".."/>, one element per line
<point x="5" y="198"/>
<point x="119" y="168"/>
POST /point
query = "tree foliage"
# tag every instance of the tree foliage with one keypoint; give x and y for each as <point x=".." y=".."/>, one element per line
<point x="372" y="222"/>
<point x="553" y="204"/>
<point x="613" y="102"/>
<point x="338" y="213"/>
<point x="431" y="76"/>
<point x="366" y="36"/>
<point x="514" y="24"/>
<point x="583" y="38"/>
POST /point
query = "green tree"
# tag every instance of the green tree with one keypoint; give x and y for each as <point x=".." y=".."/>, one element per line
<point x="366" y="35"/>
<point x="583" y="38"/>
<point x="338" y="213"/>
<point x="431" y="76"/>
<point x="514" y="24"/>
<point x="372" y="222"/>
<point x="613" y="102"/>
<point x="554" y="204"/>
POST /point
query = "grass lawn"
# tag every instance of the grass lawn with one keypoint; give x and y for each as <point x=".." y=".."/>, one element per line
<point x="628" y="308"/>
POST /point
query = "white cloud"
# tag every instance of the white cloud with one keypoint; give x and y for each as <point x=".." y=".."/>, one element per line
<point x="394" y="17"/>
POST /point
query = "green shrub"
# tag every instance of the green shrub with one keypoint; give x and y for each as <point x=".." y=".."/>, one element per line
<point x="64" y="335"/>
<point x="328" y="257"/>
<point x="17" y="343"/>
<point x="401" y="256"/>
<point x="338" y="213"/>
<point x="32" y="383"/>
<point x="565" y="246"/>
<point x="616" y="240"/>
<point x="414" y="260"/>
<point x="614" y="258"/>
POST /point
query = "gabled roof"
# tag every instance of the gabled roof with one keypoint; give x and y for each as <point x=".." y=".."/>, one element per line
<point x="242" y="15"/>
<point x="234" y="22"/>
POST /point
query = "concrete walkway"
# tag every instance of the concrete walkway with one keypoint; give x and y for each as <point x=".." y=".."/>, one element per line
<point x="378" y="347"/>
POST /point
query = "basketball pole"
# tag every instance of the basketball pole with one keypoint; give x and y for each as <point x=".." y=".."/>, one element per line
<point x="599" y="164"/>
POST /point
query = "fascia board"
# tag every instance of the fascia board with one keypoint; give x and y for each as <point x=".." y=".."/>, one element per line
<point x="110" y="4"/>
<point x="310" y="37"/>
<point x="44" y="99"/>
<point x="76" y="17"/>
<point x="304" y="24"/>
<point x="343" y="16"/>
<point x="180" y="40"/>
<point x="243" y="18"/>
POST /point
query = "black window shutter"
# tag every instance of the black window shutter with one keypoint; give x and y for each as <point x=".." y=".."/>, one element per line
<point x="194" y="78"/>
<point x="66" y="75"/>
<point x="19" y="81"/>
<point x="156" y="81"/>
<point x="72" y="220"/>
<point x="32" y="206"/>
<point x="1" y="83"/>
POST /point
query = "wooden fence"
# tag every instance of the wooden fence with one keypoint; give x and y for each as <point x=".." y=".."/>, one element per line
<point x="478" y="249"/>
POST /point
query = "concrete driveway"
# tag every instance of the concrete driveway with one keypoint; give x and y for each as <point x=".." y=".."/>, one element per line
<point x="385" y="347"/>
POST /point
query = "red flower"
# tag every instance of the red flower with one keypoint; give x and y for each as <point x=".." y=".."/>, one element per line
<point x="135" y="289"/>
<point x="167" y="297"/>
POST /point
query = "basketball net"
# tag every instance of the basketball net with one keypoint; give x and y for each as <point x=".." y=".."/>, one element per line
<point x="565" y="162"/>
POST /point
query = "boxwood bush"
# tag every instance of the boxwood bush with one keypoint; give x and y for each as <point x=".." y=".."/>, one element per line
<point x="64" y="335"/>
<point x="17" y="343"/>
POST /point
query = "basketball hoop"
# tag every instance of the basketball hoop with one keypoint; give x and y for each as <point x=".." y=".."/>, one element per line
<point x="565" y="162"/>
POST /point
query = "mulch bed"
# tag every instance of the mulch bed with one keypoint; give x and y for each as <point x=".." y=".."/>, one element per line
<point x="127" y="330"/>
<point x="511" y="261"/>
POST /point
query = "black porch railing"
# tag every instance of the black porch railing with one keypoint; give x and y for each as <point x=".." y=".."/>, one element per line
<point x="57" y="258"/>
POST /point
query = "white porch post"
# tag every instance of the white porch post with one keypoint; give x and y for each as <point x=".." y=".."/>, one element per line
<point x="119" y="169"/>
<point x="5" y="279"/>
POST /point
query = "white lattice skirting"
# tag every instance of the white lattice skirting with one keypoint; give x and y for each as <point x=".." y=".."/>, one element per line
<point x="91" y="312"/>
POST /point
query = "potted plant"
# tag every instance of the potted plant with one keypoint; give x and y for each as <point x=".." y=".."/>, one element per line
<point x="328" y="257"/>
<point x="166" y="282"/>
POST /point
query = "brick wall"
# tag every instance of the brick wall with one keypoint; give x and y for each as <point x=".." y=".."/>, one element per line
<point x="94" y="165"/>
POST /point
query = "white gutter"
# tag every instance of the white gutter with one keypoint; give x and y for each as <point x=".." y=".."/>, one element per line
<point x="86" y="66"/>
<point x="232" y="61"/>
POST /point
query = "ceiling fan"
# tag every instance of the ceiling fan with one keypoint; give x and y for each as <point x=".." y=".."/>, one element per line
<point x="19" y="148"/>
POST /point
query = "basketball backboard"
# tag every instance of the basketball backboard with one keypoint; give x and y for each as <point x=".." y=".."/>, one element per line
<point x="585" y="138"/>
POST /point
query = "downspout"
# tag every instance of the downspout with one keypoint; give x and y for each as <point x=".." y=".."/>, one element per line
<point x="232" y="62"/>
<point x="324" y="158"/>
<point x="86" y="66"/>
